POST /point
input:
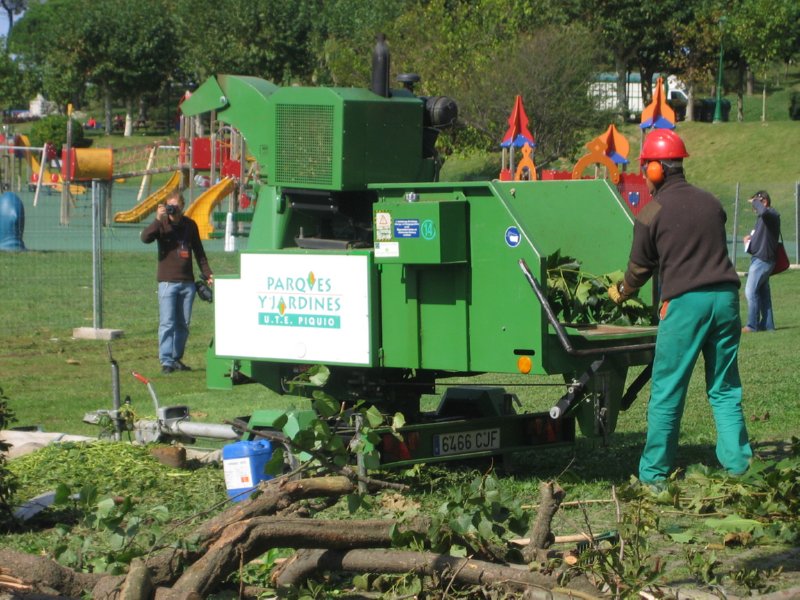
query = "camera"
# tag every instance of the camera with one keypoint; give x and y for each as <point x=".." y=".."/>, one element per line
<point x="172" y="209"/>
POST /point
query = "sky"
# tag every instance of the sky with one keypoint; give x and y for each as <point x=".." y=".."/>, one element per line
<point x="4" y="22"/>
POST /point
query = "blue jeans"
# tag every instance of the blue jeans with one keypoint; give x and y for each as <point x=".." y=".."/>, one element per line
<point x="175" y="301"/>
<point x="759" y="300"/>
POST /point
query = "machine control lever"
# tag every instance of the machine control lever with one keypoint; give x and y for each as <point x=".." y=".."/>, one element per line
<point x="576" y="391"/>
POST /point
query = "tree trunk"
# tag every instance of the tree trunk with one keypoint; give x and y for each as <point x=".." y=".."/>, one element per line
<point x="128" y="118"/>
<point x="689" y="102"/>
<point x="622" y="87"/>
<point x="141" y="117"/>
<point x="243" y="533"/>
<point x="245" y="541"/>
<point x="47" y="576"/>
<point x="742" y="70"/>
<point x="541" y="535"/>
<point x="751" y="81"/>
<point x="446" y="569"/>
<point x="107" y="110"/>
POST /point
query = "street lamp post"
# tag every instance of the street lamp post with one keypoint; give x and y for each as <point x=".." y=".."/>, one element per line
<point x="718" y="106"/>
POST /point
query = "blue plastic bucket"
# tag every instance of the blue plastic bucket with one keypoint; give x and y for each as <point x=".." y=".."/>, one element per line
<point x="244" y="465"/>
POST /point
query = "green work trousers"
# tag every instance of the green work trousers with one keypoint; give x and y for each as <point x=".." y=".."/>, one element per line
<point x="705" y="320"/>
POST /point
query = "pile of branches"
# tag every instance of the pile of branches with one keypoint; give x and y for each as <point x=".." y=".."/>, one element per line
<point x="278" y="517"/>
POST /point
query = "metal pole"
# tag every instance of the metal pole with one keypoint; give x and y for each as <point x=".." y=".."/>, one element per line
<point x="718" y="107"/>
<point x="735" y="226"/>
<point x="796" y="222"/>
<point x="115" y="395"/>
<point x="65" y="187"/>
<point x="213" y="135"/>
<point x="97" y="258"/>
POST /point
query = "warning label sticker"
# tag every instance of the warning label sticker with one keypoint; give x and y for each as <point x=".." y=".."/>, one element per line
<point x="383" y="226"/>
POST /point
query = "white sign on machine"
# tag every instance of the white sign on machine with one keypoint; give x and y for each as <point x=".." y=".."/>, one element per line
<point x="297" y="307"/>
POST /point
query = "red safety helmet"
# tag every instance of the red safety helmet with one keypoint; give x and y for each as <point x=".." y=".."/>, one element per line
<point x="662" y="144"/>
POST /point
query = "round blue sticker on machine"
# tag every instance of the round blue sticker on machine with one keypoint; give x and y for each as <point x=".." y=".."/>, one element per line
<point x="513" y="238"/>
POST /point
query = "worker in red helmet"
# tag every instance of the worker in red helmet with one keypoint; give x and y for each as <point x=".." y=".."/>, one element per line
<point x="680" y="235"/>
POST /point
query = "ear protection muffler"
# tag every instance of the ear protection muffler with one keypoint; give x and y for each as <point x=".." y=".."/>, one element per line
<point x="655" y="171"/>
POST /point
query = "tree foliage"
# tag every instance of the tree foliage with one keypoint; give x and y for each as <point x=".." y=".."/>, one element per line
<point x="53" y="130"/>
<point x="263" y="38"/>
<point x="60" y="76"/>
<point x="12" y="94"/>
<point x="551" y="69"/>
<point x="128" y="51"/>
<point x="765" y="31"/>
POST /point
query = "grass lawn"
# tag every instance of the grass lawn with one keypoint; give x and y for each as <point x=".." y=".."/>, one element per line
<point x="52" y="379"/>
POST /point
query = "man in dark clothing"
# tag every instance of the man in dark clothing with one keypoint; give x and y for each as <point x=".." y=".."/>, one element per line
<point x="681" y="232"/>
<point x="178" y="237"/>
<point x="762" y="245"/>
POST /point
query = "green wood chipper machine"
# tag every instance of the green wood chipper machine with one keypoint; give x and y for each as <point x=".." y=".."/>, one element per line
<point x="359" y="259"/>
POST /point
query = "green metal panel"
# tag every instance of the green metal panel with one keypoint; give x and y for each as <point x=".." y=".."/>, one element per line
<point x="399" y="316"/>
<point x="424" y="316"/>
<point x="239" y="101"/>
<point x="343" y="138"/>
<point x="443" y="317"/>
<point x="429" y="232"/>
<point x="506" y="222"/>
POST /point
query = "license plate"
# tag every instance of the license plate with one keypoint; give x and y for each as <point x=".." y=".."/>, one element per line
<point x="465" y="442"/>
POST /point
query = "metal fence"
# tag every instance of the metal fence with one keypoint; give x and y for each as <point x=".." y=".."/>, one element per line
<point x="79" y="274"/>
<point x="82" y="274"/>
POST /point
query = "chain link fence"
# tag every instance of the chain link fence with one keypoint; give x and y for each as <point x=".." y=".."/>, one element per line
<point x="54" y="286"/>
<point x="87" y="273"/>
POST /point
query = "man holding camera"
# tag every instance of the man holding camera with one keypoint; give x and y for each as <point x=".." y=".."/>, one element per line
<point x="762" y="245"/>
<point x="178" y="238"/>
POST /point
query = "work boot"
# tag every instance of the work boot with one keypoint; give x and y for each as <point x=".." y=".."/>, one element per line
<point x="179" y="366"/>
<point x="167" y="369"/>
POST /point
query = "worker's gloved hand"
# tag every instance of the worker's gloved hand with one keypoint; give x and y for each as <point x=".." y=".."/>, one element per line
<point x="617" y="293"/>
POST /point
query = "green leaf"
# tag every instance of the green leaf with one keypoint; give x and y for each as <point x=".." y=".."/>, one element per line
<point x="116" y="541"/>
<point x="733" y="523"/>
<point x="104" y="507"/>
<point x="582" y="291"/>
<point x="398" y="421"/>
<point x="354" y="502"/>
<point x="280" y="422"/>
<point x="159" y="513"/>
<point x="462" y="524"/>
<point x="62" y="494"/>
<point x="318" y="375"/>
<point x="88" y="495"/>
<point x="458" y="551"/>
<point x="326" y="406"/>
<point x="372" y="460"/>
<point x="361" y="582"/>
<point x="373" y="416"/>
<point x="681" y="536"/>
<point x="276" y="463"/>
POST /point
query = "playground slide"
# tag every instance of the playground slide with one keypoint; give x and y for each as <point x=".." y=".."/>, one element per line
<point x="149" y="204"/>
<point x="200" y="209"/>
<point x="49" y="178"/>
